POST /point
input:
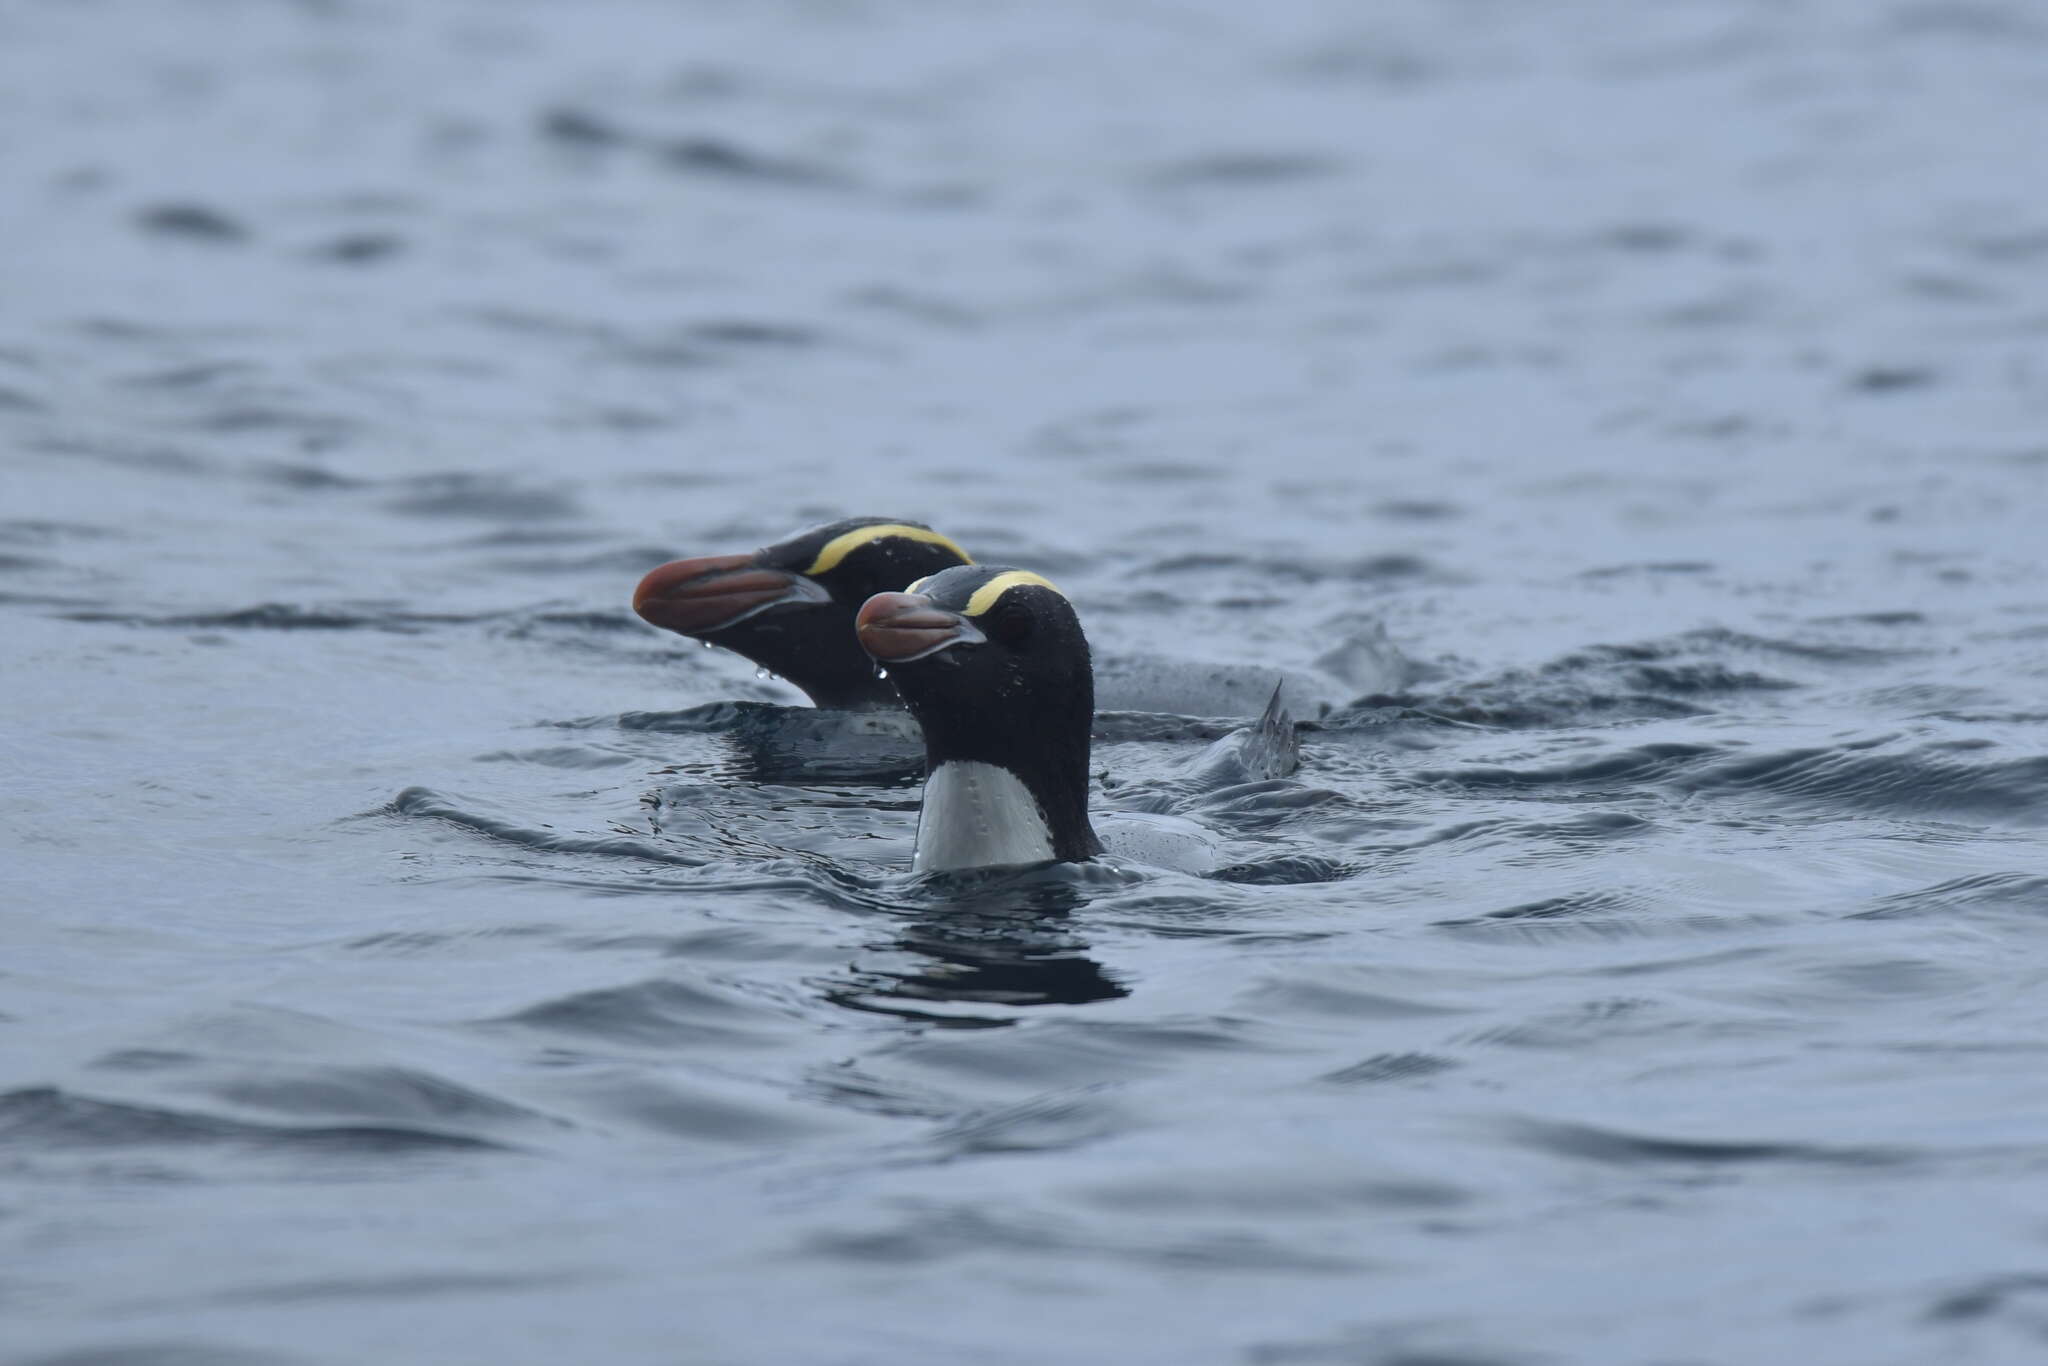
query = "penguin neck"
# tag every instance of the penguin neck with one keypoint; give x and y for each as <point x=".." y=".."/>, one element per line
<point x="980" y="814"/>
<point x="851" y="693"/>
<point x="803" y="648"/>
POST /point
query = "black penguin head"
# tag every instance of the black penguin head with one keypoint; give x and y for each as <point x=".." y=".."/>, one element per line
<point x="789" y="606"/>
<point x="993" y="664"/>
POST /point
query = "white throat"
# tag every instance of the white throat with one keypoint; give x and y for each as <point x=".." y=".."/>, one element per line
<point x="978" y="815"/>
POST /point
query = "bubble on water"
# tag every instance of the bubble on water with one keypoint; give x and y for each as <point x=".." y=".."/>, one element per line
<point x="764" y="673"/>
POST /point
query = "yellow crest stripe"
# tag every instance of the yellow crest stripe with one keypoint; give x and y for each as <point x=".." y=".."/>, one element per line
<point x="991" y="592"/>
<point x="846" y="542"/>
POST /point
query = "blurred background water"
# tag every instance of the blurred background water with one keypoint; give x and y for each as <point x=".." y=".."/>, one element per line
<point x="401" y="961"/>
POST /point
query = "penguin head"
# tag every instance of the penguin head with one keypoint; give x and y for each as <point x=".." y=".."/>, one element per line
<point x="993" y="664"/>
<point x="789" y="606"/>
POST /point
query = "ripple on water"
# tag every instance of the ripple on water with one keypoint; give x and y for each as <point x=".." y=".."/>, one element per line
<point x="722" y="158"/>
<point x="283" y="616"/>
<point x="1285" y="870"/>
<point x="46" y="1119"/>
<point x="1582" y="1027"/>
<point x="1255" y="1192"/>
<point x="1929" y="780"/>
<point x="1595" y="1143"/>
<point x="1598" y="910"/>
<point x="1071" y="1052"/>
<point x="2017" y="1298"/>
<point x="933" y="1232"/>
<point x="1405" y="1344"/>
<point x="423" y="804"/>
<point x="382" y="1094"/>
<point x="496" y="497"/>
<point x="1344" y="991"/>
<point x="748" y="943"/>
<point x="144" y="454"/>
<point x="1617" y="772"/>
<point x="1993" y="893"/>
<point x="707" y="1109"/>
<point x="575" y="758"/>
<point x="45" y="531"/>
<point x="1052" y="1122"/>
<point x="1576" y="832"/>
<point x="192" y="223"/>
<point x="1873" y="776"/>
<point x="1391" y="1067"/>
<point x="662" y="1013"/>
<point x="1690" y="674"/>
<point x="162" y="1353"/>
<point x="1255" y="808"/>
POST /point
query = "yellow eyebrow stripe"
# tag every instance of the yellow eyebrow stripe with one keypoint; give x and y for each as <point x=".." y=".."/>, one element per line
<point x="989" y="593"/>
<point x="846" y="542"/>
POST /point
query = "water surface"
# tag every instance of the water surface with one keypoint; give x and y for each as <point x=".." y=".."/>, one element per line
<point x="405" y="958"/>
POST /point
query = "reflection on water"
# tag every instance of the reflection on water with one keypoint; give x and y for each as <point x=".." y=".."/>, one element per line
<point x="1000" y="939"/>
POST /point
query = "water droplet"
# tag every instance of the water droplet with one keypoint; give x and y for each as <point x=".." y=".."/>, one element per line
<point x="881" y="672"/>
<point x="763" y="673"/>
<point x="705" y="643"/>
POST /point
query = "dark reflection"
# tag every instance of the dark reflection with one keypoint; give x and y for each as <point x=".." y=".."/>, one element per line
<point x="995" y="939"/>
<point x="800" y="745"/>
<point x="769" y="743"/>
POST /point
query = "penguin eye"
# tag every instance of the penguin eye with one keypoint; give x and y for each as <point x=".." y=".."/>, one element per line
<point x="1012" y="623"/>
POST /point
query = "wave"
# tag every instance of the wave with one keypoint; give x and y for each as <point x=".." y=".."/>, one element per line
<point x="47" y="1119"/>
<point x="1694" y="673"/>
<point x="1595" y="1143"/>
<point x="1929" y="781"/>
<point x="420" y="803"/>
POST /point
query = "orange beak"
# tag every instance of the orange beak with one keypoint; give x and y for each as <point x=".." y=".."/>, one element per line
<point x="697" y="597"/>
<point x="898" y="627"/>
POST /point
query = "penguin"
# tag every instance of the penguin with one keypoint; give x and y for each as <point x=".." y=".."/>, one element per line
<point x="789" y="607"/>
<point x="992" y="662"/>
<point x="995" y="667"/>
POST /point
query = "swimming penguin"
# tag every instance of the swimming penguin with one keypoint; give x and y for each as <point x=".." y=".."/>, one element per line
<point x="789" y="607"/>
<point x="992" y="663"/>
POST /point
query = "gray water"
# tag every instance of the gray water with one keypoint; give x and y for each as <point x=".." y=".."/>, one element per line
<point x="406" y="959"/>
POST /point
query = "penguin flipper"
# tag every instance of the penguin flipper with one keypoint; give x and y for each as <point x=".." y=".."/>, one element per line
<point x="1272" y="746"/>
<point x="1268" y="748"/>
